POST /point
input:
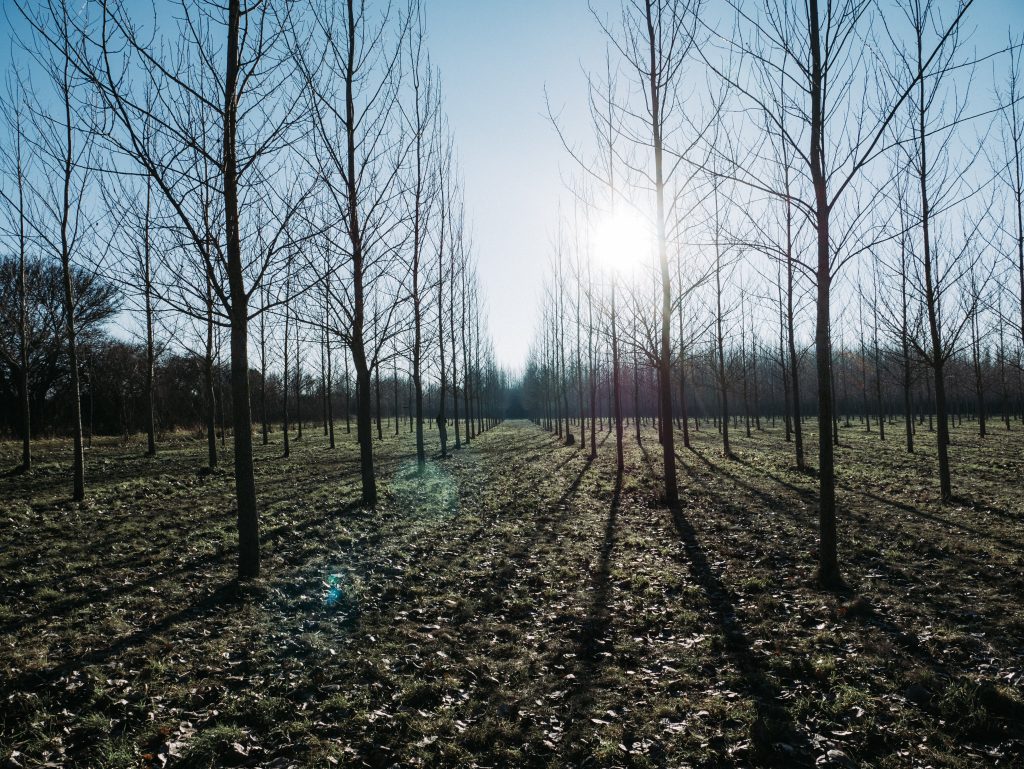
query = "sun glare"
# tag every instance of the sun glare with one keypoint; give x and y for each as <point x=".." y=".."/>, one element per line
<point x="622" y="241"/>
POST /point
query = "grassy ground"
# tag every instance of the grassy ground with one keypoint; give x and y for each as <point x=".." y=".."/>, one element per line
<point x="515" y="606"/>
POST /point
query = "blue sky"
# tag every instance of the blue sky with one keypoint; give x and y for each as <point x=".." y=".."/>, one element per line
<point x="496" y="58"/>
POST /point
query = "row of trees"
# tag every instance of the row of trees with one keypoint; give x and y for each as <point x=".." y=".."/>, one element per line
<point x="273" y="180"/>
<point x="785" y="160"/>
<point x="115" y="401"/>
<point x="984" y="385"/>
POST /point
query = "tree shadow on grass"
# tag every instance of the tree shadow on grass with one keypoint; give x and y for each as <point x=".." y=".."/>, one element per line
<point x="986" y="507"/>
<point x="303" y="535"/>
<point x="593" y="634"/>
<point x="593" y="642"/>
<point x="853" y="513"/>
<point x="772" y="503"/>
<point x="653" y="472"/>
<point x="553" y="519"/>
<point x="775" y="737"/>
<point x="807" y="495"/>
<point x="230" y="593"/>
<point x="1010" y="544"/>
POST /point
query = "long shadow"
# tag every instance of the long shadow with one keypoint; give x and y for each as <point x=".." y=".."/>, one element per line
<point x="304" y="540"/>
<point x="1007" y="543"/>
<point x="772" y="725"/>
<point x="162" y="571"/>
<point x="225" y="595"/>
<point x="805" y="494"/>
<point x="544" y="522"/>
<point x="908" y="642"/>
<point x="573" y="487"/>
<point x="110" y="533"/>
<point x="124" y="469"/>
<point x="592" y="637"/>
<point x="652" y="471"/>
<point x="298" y="533"/>
<point x="809" y="496"/>
<point x="595" y="628"/>
<point x="565" y="461"/>
<point x="985" y="507"/>
<point x="772" y="502"/>
<point x="503" y="576"/>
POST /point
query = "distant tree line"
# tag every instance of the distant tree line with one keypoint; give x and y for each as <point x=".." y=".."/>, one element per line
<point x="989" y="395"/>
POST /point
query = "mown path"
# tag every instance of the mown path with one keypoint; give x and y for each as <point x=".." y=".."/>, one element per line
<point x="515" y="605"/>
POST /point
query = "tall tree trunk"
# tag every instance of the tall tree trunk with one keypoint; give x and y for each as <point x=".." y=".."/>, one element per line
<point x="221" y="400"/>
<point x="682" y="394"/>
<point x="208" y="384"/>
<point x="323" y="377"/>
<point x="357" y="343"/>
<point x="417" y="381"/>
<point x="908" y="406"/>
<point x="78" y="463"/>
<point x="442" y="417"/>
<point x="467" y="362"/>
<point x="931" y="299"/>
<point x="723" y="382"/>
<point x="245" y="480"/>
<point x="23" y="341"/>
<point x="617" y="387"/>
<point x="329" y="384"/>
<point x="743" y="364"/>
<point x="298" y="380"/>
<point x="979" y="379"/>
<point x="828" y="558"/>
<point x="264" y="427"/>
<point x="348" y="400"/>
<point x="636" y="396"/>
<point x="376" y="390"/>
<point x="286" y="428"/>
<point x="150" y="350"/>
<point x="364" y="424"/>
<point x="757" y="384"/>
<point x="581" y="401"/>
<point x="455" y="352"/>
<point x="794" y="361"/>
<point x="665" y="359"/>
<point x="394" y="371"/>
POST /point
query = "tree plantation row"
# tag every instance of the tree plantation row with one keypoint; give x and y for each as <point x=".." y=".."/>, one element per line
<point x="790" y="209"/>
<point x="267" y="195"/>
<point x="784" y="211"/>
<point x="193" y="388"/>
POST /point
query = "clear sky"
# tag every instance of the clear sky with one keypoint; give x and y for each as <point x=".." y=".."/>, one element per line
<point x="496" y="58"/>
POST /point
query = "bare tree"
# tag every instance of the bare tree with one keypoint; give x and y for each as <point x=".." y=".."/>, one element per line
<point x="822" y="46"/>
<point x="1010" y="165"/>
<point x="352" y="76"/>
<point x="64" y="144"/>
<point x="246" y="95"/>
<point x="16" y="161"/>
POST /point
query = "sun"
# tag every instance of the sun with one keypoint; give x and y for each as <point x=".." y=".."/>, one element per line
<point x="622" y="241"/>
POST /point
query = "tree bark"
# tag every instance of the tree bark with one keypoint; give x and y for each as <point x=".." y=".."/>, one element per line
<point x="245" y="481"/>
<point x="828" y="559"/>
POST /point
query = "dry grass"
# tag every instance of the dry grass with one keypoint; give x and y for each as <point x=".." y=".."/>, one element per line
<point x="517" y="605"/>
